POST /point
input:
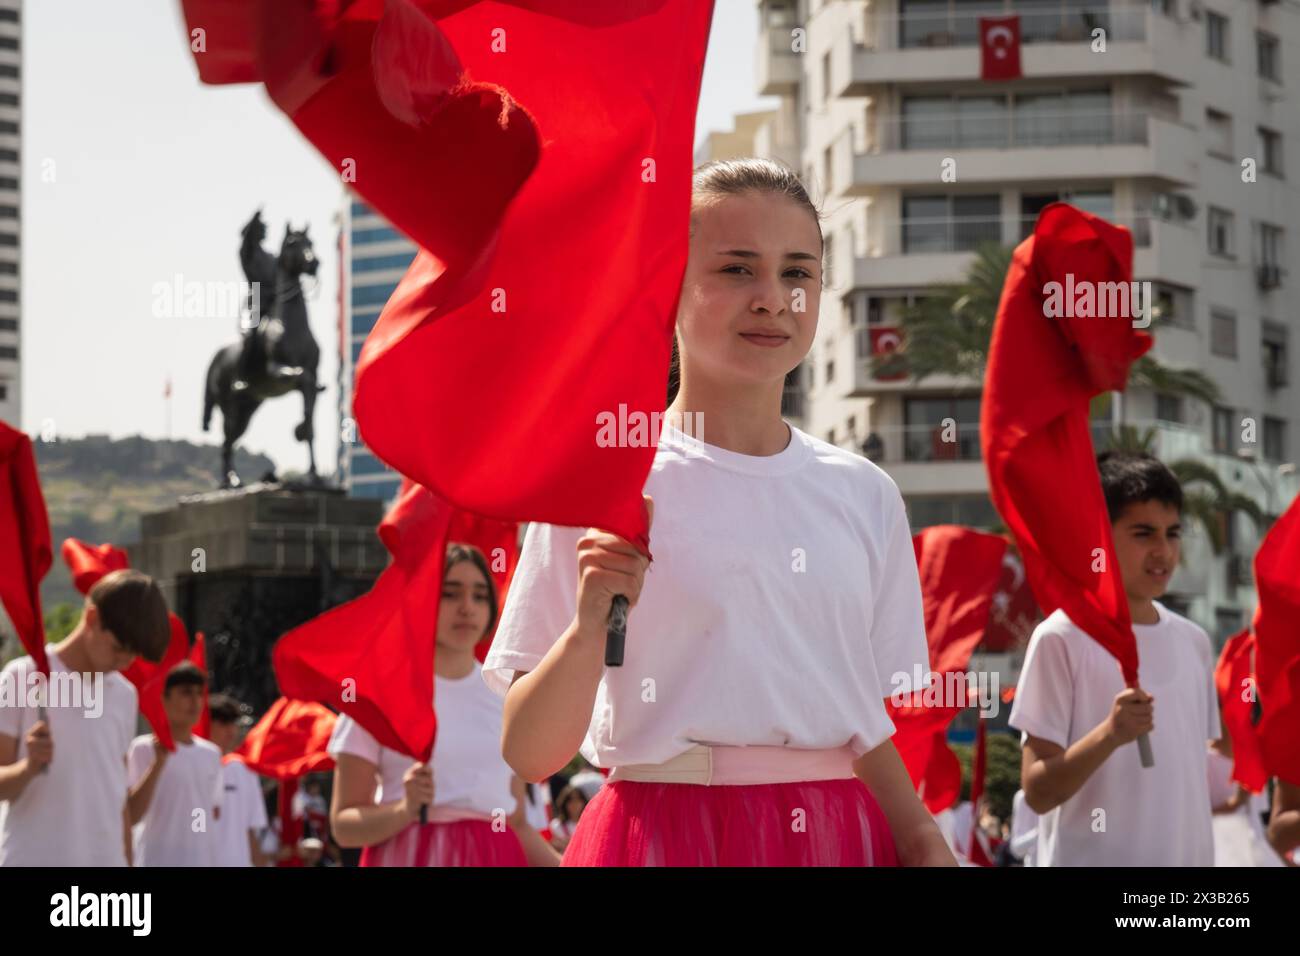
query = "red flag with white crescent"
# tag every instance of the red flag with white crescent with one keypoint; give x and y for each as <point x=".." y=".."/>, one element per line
<point x="1000" y="48"/>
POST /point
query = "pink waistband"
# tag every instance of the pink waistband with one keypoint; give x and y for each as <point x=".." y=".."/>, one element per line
<point x="739" y="766"/>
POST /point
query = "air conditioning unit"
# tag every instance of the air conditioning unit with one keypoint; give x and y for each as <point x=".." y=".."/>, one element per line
<point x="1173" y="207"/>
<point x="1186" y="207"/>
<point x="1268" y="276"/>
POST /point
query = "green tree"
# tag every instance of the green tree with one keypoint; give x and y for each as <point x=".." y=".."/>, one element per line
<point x="60" y="620"/>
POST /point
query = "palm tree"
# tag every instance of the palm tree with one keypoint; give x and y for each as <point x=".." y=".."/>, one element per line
<point x="948" y="333"/>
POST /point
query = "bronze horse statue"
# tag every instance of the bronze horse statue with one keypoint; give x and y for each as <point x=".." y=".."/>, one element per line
<point x="278" y="354"/>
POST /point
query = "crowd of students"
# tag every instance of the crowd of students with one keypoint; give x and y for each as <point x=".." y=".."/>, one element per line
<point x="747" y="724"/>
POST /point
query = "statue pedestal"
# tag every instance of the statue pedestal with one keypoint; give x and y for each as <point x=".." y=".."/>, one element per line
<point x="245" y="566"/>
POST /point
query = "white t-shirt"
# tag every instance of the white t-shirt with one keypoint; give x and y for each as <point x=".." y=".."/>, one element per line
<point x="469" y="773"/>
<point x="72" y="814"/>
<point x="782" y="600"/>
<point x="1151" y="817"/>
<point x="173" y="832"/>
<point x="242" y="809"/>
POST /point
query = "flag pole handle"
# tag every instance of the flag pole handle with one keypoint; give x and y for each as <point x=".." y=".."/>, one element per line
<point x="40" y="716"/>
<point x="616" y="635"/>
<point x="1144" y="751"/>
<point x="424" y="813"/>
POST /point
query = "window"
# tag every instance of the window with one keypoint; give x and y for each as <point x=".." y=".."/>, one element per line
<point x="950" y="223"/>
<point x="8" y="16"/>
<point x="1223" y="430"/>
<point x="924" y="23"/>
<point x="1227" y="622"/>
<point x="8" y="351"/>
<point x="830" y="436"/>
<point x="1169" y="408"/>
<point x="4" y="392"/>
<point x="826" y="77"/>
<point x="400" y="260"/>
<point x="1268" y="244"/>
<point x="1223" y="334"/>
<point x="8" y="268"/>
<point x="826" y="167"/>
<point x="371" y="294"/>
<point x="830" y="371"/>
<point x="1268" y="56"/>
<point x="1274" y="353"/>
<point x="1216" y="36"/>
<point x="8" y="295"/>
<point x="1173" y="305"/>
<point x="8" y="43"/>
<point x="1222" y="228"/>
<point x="8" y="325"/>
<point x="1274" y="439"/>
<point x="9" y="69"/>
<point x="1269" y="151"/>
<point x="941" y="429"/>
<point x="1219" y="127"/>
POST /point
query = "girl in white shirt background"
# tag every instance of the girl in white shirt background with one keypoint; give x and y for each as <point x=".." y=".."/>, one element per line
<point x="746" y="725"/>
<point x="475" y="814"/>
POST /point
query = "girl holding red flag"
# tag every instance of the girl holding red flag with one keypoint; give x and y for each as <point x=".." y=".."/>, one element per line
<point x="475" y="817"/>
<point x="747" y="725"/>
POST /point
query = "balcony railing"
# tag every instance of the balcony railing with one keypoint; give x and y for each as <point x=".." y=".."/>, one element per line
<point x="1123" y="22"/>
<point x="924" y="234"/>
<point x="1008" y="129"/>
<point x="958" y="441"/>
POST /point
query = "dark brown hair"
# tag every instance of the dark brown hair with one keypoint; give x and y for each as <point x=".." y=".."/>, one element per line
<point x="185" y="674"/>
<point x="456" y="553"/>
<point x="720" y="178"/>
<point x="132" y="608"/>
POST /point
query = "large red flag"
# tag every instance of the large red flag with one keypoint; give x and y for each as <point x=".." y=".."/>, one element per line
<point x="1034" y="424"/>
<point x="372" y="657"/>
<point x="507" y="163"/>
<point x="150" y="679"/>
<point x="959" y="569"/>
<point x="289" y="741"/>
<point x="1277" y="640"/>
<point x="198" y="656"/>
<point x="90" y="562"/>
<point x="1234" y="678"/>
<point x="26" y="552"/>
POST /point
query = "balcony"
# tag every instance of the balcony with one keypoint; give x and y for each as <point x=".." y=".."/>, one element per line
<point x="943" y="46"/>
<point x="921" y="460"/>
<point x="778" y="68"/>
<point x="1017" y="146"/>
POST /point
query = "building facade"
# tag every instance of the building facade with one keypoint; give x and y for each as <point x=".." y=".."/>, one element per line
<point x="374" y="256"/>
<point x="1174" y="118"/>
<point x="10" y="211"/>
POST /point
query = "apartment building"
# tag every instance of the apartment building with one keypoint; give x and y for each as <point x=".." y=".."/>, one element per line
<point x="10" y="204"/>
<point x="1177" y="125"/>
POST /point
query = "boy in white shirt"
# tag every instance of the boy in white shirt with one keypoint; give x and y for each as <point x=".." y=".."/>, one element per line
<point x="63" y="781"/>
<point x="1080" y="768"/>
<point x="176" y="797"/>
<point x="243" y="808"/>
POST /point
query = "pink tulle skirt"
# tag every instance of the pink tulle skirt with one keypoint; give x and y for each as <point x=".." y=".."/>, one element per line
<point x="460" y="843"/>
<point x="810" y="823"/>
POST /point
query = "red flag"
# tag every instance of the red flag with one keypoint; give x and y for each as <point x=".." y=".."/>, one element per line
<point x="499" y="542"/>
<point x="373" y="656"/>
<point x="1234" y="679"/>
<point x="89" y="562"/>
<point x="26" y="552"/>
<point x="489" y="162"/>
<point x="1034" y="425"/>
<point x="959" y="569"/>
<point x="199" y="658"/>
<point x="150" y="679"/>
<point x="886" y="341"/>
<point x="1277" y="639"/>
<point x="1000" y="48"/>
<point x="289" y="741"/>
<point x="980" y="852"/>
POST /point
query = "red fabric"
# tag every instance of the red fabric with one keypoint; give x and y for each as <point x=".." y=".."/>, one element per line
<point x="1034" y="425"/>
<point x="150" y="679"/>
<point x="462" y="843"/>
<point x="199" y="658"/>
<point x="26" y="551"/>
<point x="959" y="569"/>
<point x="505" y="169"/>
<point x="979" y="851"/>
<point x="1235" y="681"/>
<point x="372" y="657"/>
<point x="885" y="341"/>
<point x="90" y="562"/>
<point x="999" y="48"/>
<point x="813" y="823"/>
<point x="1277" y="637"/>
<point x="289" y="741"/>
<point x="290" y="826"/>
<point x="1014" y="614"/>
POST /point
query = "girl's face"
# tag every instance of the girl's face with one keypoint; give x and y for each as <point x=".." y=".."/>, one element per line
<point x="752" y="287"/>
<point x="464" y="610"/>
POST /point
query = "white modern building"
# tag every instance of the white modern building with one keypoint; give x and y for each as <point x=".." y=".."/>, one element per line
<point x="10" y="207"/>
<point x="1182" y="128"/>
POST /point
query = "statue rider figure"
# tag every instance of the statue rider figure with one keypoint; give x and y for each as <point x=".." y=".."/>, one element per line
<point x="259" y="270"/>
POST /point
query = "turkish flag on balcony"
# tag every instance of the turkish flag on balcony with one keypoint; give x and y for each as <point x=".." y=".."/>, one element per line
<point x="1042" y="373"/>
<point x="1000" y="48"/>
<point x="1234" y="679"/>
<point x="1277" y="641"/>
<point x="886" y="340"/>
<point x="26" y="552"/>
